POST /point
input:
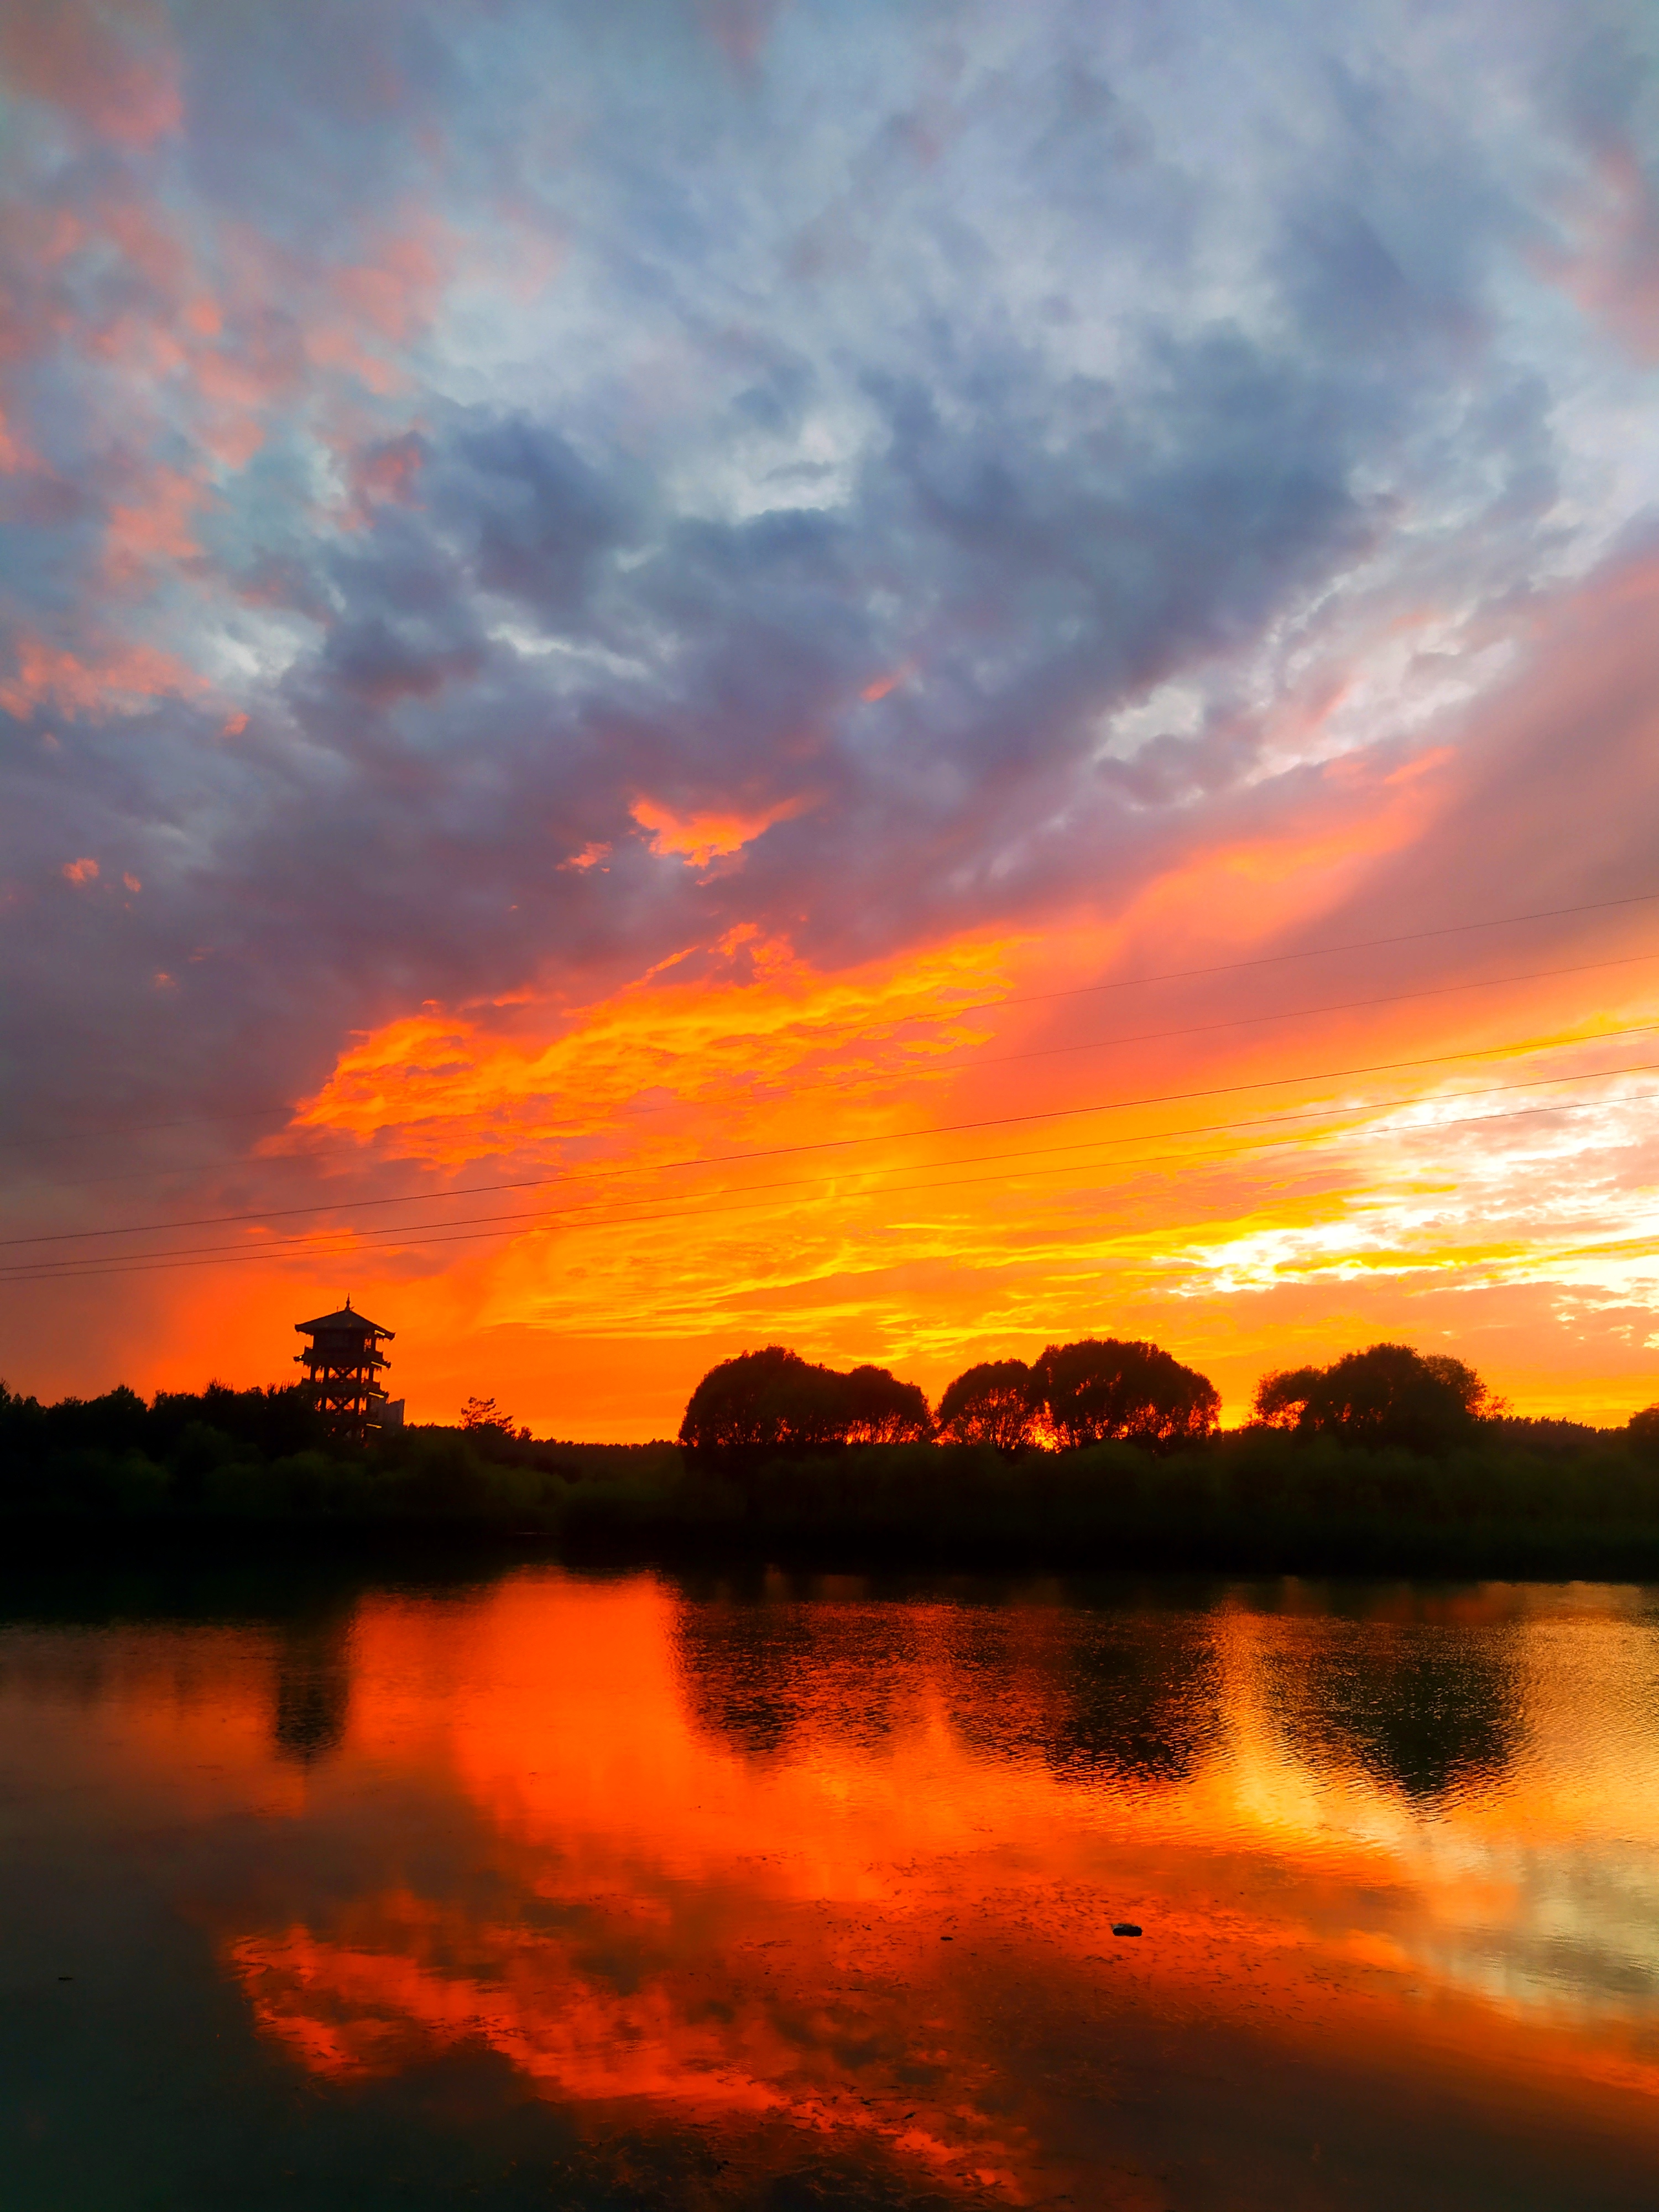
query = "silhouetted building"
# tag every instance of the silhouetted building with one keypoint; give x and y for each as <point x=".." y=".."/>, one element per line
<point x="341" y="1362"/>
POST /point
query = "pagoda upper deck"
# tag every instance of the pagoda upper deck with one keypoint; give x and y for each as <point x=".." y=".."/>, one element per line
<point x="344" y="1339"/>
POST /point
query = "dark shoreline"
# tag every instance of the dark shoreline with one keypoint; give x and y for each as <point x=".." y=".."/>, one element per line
<point x="208" y="1586"/>
<point x="464" y="1550"/>
<point x="255" y="1475"/>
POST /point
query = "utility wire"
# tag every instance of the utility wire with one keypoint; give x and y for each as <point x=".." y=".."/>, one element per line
<point x="835" y="1144"/>
<point x="322" y="1242"/>
<point x="71" y="1130"/>
<point x="1088" y="1044"/>
<point x="1290" y="1014"/>
<point x="457" y="1234"/>
<point x="1037" y="1052"/>
<point x="1318" y="951"/>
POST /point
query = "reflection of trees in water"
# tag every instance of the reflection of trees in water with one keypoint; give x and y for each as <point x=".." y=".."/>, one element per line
<point x="1096" y="1696"/>
<point x="1426" y="1710"/>
<point x="1100" y="1698"/>
<point x="313" y="1689"/>
<point x="768" y="1677"/>
<point x="743" y="1669"/>
<point x="1109" y="1697"/>
<point x="1144" y="1707"/>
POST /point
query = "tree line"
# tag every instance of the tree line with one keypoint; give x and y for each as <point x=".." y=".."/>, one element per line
<point x="1094" y="1454"/>
<point x="1097" y="1390"/>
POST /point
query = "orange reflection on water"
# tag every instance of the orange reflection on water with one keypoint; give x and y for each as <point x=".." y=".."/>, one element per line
<point x="852" y="1868"/>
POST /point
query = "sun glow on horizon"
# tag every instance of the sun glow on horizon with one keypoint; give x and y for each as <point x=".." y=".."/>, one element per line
<point x="924" y="1162"/>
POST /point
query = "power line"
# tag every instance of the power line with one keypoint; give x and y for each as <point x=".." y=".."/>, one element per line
<point x="1318" y="951"/>
<point x="828" y="1144"/>
<point x="1087" y="1044"/>
<point x="322" y="1244"/>
<point x="71" y="1130"/>
<point x="456" y="1234"/>
<point x="1292" y="1014"/>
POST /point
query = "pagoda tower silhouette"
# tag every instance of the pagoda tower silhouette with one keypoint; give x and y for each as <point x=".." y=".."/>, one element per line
<point x="341" y="1362"/>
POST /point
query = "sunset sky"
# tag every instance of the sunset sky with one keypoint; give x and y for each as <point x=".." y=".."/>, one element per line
<point x="911" y="679"/>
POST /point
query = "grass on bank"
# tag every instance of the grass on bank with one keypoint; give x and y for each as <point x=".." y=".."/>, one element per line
<point x="1519" y="1497"/>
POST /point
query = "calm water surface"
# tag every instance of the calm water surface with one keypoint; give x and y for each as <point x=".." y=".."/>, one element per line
<point x="541" y="1889"/>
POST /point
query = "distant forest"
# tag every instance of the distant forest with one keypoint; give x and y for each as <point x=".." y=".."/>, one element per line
<point x="1102" y="1452"/>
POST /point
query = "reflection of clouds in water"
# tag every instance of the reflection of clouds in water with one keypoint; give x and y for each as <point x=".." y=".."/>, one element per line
<point x="686" y="2004"/>
<point x="1573" y="1935"/>
<point x="649" y="1889"/>
<point x="1503" y="1776"/>
<point x="375" y="1998"/>
<point x="702" y="1846"/>
<point x="1413" y="1741"/>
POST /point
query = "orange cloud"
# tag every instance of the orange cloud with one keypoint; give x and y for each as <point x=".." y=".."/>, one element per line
<point x="395" y="288"/>
<point x="701" y="838"/>
<point x="738" y="1146"/>
<point x="889" y="1174"/>
<point x="437" y="1082"/>
<point x="882" y="684"/>
<point x="81" y="872"/>
<point x="111" y="65"/>
<point x="154" y="526"/>
<point x="13" y="454"/>
<point x="116" y="680"/>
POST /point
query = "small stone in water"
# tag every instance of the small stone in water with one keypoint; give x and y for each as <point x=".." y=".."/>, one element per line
<point x="1125" y="1928"/>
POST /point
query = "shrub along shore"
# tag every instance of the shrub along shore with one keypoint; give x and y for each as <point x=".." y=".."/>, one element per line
<point x="1490" y="1495"/>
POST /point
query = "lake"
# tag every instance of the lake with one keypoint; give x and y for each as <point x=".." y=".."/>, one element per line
<point x="534" y="1887"/>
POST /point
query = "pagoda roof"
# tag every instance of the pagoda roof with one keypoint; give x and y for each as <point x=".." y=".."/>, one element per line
<point x="339" y="1324"/>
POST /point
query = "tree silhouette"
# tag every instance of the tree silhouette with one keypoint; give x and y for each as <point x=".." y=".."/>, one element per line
<point x="483" y="1418"/>
<point x="1104" y="1388"/>
<point x="1282" y="1397"/>
<point x="768" y="1401"/>
<point x="480" y="1413"/>
<point x="773" y="1401"/>
<point x="879" y="1409"/>
<point x="1386" y="1394"/>
<point x="991" y="1404"/>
